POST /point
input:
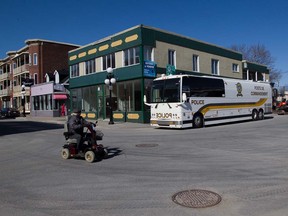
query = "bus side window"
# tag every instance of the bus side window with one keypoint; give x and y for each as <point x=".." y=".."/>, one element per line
<point x="203" y="87"/>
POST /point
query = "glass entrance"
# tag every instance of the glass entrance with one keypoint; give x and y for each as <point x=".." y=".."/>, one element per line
<point x="100" y="103"/>
<point x="110" y="101"/>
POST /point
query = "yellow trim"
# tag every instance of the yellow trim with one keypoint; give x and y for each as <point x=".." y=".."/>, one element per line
<point x="118" y="116"/>
<point x="80" y="55"/>
<point x="104" y="47"/>
<point x="133" y="116"/>
<point x="131" y="38"/>
<point x="91" y="115"/>
<point x="73" y="57"/>
<point x="92" y="51"/>
<point x="83" y="115"/>
<point x="231" y="106"/>
<point x="116" y="43"/>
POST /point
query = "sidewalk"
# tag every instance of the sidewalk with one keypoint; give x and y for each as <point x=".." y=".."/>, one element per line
<point x="57" y="120"/>
<point x="101" y="123"/>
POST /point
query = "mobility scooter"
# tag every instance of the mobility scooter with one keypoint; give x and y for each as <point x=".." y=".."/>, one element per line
<point x="90" y="150"/>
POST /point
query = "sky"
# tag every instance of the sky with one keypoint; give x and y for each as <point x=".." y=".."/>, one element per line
<point x="219" y="22"/>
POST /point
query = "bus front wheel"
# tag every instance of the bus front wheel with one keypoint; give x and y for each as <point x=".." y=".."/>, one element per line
<point x="198" y="121"/>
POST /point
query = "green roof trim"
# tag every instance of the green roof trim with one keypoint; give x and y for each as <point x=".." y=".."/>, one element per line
<point x="255" y="67"/>
<point x="144" y="35"/>
<point x="114" y="43"/>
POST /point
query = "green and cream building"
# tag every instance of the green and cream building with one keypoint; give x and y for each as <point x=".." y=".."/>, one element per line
<point x="137" y="55"/>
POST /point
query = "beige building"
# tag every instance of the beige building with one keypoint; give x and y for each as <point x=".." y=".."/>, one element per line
<point x="138" y="55"/>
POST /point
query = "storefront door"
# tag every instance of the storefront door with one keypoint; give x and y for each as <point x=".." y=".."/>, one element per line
<point x="113" y="105"/>
<point x="100" y="103"/>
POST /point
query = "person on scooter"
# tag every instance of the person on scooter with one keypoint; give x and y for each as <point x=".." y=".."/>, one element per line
<point x="76" y="124"/>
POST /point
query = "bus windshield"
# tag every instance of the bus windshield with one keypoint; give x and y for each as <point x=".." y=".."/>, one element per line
<point x="166" y="90"/>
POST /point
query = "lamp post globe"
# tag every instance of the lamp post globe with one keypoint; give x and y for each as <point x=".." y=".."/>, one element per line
<point x="109" y="70"/>
<point x="107" y="81"/>
<point x="113" y="80"/>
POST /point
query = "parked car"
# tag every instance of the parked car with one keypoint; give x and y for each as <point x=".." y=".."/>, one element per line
<point x="10" y="113"/>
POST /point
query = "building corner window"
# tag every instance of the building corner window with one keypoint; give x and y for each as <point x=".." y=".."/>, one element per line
<point x="172" y="57"/>
<point x="35" y="59"/>
<point x="215" y="67"/>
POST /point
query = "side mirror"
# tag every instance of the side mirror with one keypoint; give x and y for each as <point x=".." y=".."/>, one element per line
<point x="184" y="97"/>
<point x="145" y="101"/>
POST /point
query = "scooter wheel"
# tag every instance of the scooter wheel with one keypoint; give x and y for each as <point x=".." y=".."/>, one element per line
<point x="90" y="156"/>
<point x="65" y="153"/>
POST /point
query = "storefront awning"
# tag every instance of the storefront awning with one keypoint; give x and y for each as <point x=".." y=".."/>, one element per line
<point x="60" y="97"/>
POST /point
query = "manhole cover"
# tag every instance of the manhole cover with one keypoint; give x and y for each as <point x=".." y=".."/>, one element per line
<point x="146" y="145"/>
<point x="196" y="198"/>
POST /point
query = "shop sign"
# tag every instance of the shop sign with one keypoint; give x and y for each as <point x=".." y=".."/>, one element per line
<point x="59" y="87"/>
<point x="149" y="69"/>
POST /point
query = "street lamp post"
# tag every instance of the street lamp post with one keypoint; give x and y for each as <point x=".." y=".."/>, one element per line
<point x="23" y="99"/>
<point x="110" y="80"/>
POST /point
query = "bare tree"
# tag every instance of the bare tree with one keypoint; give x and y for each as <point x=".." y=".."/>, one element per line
<point x="260" y="55"/>
<point x="282" y="91"/>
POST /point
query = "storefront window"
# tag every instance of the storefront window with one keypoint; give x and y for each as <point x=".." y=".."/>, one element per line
<point x="36" y="103"/>
<point x="85" y="99"/>
<point x="126" y="97"/>
<point x="129" y="96"/>
<point x="123" y="97"/>
<point x="89" y="99"/>
<point x="76" y="99"/>
<point x="42" y="102"/>
<point x="49" y="102"/>
<point x="46" y="102"/>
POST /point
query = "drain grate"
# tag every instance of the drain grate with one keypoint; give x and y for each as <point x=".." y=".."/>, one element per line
<point x="196" y="198"/>
<point x="147" y="145"/>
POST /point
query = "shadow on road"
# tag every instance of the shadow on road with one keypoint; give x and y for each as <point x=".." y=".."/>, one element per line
<point x="112" y="152"/>
<point x="213" y="125"/>
<point x="15" y="127"/>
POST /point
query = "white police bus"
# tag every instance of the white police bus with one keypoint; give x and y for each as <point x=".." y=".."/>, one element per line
<point x="181" y="101"/>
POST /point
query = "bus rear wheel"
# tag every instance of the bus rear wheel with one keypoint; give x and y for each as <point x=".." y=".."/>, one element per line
<point x="260" y="114"/>
<point x="198" y="121"/>
<point x="254" y="115"/>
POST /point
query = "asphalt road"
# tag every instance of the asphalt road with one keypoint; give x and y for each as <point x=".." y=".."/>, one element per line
<point x="245" y="163"/>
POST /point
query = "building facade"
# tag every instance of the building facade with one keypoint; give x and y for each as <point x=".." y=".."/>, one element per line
<point x="28" y="66"/>
<point x="137" y="55"/>
<point x="255" y="72"/>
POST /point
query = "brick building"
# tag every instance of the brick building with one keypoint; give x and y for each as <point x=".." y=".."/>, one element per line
<point x="28" y="66"/>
